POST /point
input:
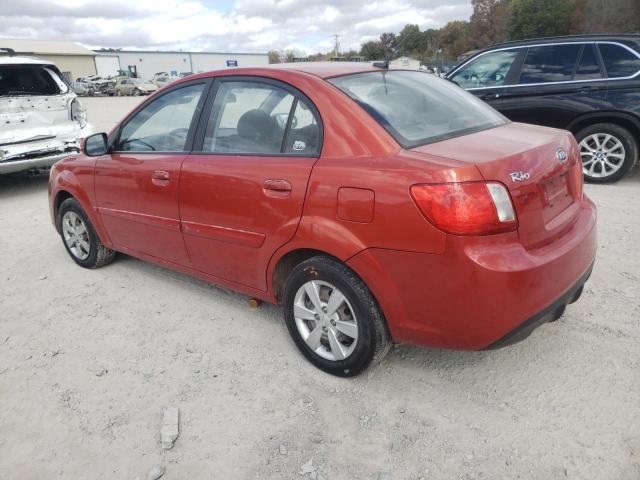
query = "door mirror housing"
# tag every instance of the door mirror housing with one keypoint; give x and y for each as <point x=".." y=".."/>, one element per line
<point x="96" y="145"/>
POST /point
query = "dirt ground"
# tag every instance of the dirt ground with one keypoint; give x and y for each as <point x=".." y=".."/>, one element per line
<point x="88" y="360"/>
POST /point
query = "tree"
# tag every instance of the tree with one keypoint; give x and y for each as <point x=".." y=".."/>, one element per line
<point x="539" y="18"/>
<point x="410" y="41"/>
<point x="389" y="43"/>
<point x="372" y="50"/>
<point x="275" y="56"/>
<point x="606" y="16"/>
<point x="454" y="38"/>
<point x="488" y="23"/>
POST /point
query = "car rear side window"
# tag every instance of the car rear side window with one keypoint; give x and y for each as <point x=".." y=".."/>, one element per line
<point x="552" y="63"/>
<point x="30" y="80"/>
<point x="255" y="118"/>
<point x="163" y="124"/>
<point x="487" y="70"/>
<point x="417" y="108"/>
<point x="619" y="61"/>
<point x="588" y="67"/>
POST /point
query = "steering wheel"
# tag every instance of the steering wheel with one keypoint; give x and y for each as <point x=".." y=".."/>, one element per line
<point x="137" y="140"/>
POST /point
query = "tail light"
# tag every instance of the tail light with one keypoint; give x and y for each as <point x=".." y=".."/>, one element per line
<point x="467" y="208"/>
<point x="78" y="113"/>
<point x="578" y="179"/>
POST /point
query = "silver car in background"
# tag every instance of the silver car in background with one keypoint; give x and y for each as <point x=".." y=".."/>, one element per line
<point x="41" y="118"/>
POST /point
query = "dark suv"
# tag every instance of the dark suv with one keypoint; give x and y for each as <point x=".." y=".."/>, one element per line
<point x="589" y="85"/>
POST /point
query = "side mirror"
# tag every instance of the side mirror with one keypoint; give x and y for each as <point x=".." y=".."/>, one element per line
<point x="96" y="145"/>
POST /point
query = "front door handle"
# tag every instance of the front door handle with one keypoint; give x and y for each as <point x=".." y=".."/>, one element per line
<point x="160" y="178"/>
<point x="277" y="185"/>
<point x="161" y="175"/>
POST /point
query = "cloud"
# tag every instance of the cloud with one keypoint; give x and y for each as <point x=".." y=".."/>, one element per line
<point x="243" y="25"/>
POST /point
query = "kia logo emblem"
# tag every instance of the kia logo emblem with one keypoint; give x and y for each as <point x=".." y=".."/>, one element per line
<point x="519" y="176"/>
<point x="561" y="155"/>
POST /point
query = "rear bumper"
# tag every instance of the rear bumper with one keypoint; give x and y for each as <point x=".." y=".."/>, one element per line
<point x="27" y="155"/>
<point x="46" y="161"/>
<point x="549" y="314"/>
<point x="482" y="292"/>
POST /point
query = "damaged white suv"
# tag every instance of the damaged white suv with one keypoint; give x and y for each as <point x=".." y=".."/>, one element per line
<point x="41" y="118"/>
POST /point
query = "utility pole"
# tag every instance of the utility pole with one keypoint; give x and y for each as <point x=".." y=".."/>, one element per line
<point x="337" y="43"/>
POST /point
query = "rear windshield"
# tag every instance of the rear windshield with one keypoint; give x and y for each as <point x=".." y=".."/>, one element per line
<point x="30" y="80"/>
<point x="417" y="108"/>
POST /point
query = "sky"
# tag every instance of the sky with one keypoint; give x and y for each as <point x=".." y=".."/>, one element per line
<point x="221" y="25"/>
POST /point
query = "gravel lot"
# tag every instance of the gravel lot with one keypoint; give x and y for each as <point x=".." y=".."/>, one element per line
<point x="88" y="360"/>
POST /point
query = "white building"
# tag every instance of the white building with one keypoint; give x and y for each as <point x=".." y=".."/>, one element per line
<point x="146" y="63"/>
<point x="405" y="63"/>
<point x="72" y="59"/>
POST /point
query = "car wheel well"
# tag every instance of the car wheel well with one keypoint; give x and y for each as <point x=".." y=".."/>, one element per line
<point x="60" y="197"/>
<point x="288" y="263"/>
<point x="627" y="124"/>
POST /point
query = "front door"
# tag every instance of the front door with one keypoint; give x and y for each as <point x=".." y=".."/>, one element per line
<point x="241" y="197"/>
<point x="136" y="185"/>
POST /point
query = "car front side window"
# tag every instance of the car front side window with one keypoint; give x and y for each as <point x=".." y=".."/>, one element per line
<point x="162" y="125"/>
<point x="488" y="70"/>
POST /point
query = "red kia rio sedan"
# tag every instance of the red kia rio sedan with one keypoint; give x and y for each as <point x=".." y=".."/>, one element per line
<point x="375" y="205"/>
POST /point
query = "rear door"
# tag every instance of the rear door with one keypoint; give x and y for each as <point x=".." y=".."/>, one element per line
<point x="556" y="84"/>
<point x="241" y="196"/>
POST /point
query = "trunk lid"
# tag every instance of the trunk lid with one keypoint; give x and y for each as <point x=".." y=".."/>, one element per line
<point x="539" y="166"/>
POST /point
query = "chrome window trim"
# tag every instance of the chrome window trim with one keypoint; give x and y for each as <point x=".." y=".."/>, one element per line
<point x="597" y="42"/>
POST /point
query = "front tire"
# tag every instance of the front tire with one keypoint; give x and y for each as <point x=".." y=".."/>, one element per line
<point x="608" y="152"/>
<point x="333" y="318"/>
<point x="80" y="238"/>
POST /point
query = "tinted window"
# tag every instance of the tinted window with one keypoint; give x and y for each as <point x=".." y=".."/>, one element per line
<point x="30" y="80"/>
<point x="252" y="118"/>
<point x="618" y="61"/>
<point x="487" y="70"/>
<point x="418" y="108"/>
<point x="588" y="66"/>
<point x="162" y="125"/>
<point x="554" y="63"/>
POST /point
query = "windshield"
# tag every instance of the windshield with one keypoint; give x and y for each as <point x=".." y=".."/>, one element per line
<point x="417" y="108"/>
<point x="30" y="80"/>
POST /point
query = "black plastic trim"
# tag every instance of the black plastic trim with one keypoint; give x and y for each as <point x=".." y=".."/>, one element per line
<point x="548" y="314"/>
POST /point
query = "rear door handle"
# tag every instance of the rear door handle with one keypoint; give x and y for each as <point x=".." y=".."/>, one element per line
<point x="277" y="185"/>
<point x="160" y="175"/>
<point x="276" y="188"/>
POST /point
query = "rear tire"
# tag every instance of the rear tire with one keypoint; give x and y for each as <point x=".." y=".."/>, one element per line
<point x="341" y="336"/>
<point x="608" y="152"/>
<point x="80" y="238"/>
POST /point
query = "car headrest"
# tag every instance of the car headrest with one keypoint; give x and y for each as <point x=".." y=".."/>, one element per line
<point x="255" y="124"/>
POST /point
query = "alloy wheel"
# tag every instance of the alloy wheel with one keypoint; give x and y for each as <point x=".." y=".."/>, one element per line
<point x="75" y="235"/>
<point x="602" y="155"/>
<point x="325" y="320"/>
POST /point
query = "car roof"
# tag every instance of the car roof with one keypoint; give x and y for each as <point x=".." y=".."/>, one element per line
<point x="623" y="38"/>
<point x="9" y="60"/>
<point x="327" y="69"/>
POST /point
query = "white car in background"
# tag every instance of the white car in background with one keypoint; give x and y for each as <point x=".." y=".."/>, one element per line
<point x="134" y="86"/>
<point x="161" y="79"/>
<point x="41" y="118"/>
